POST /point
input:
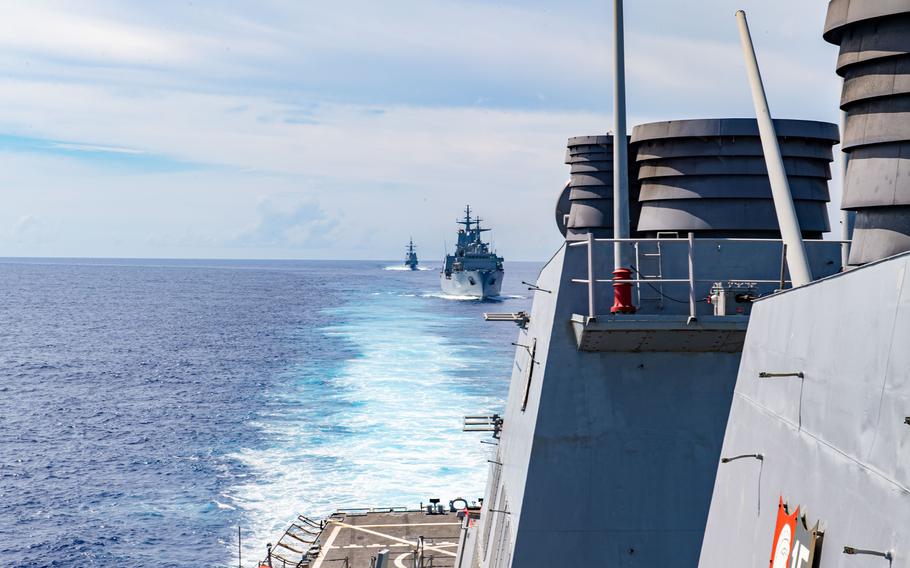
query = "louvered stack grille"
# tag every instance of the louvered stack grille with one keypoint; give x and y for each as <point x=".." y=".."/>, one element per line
<point x="874" y="60"/>
<point x="590" y="159"/>
<point x="708" y="176"/>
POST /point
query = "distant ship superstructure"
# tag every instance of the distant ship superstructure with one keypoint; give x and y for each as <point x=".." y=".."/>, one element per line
<point x="410" y="257"/>
<point x="474" y="269"/>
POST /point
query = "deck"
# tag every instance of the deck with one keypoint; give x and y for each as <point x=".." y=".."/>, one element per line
<point x="353" y="539"/>
<point x="638" y="333"/>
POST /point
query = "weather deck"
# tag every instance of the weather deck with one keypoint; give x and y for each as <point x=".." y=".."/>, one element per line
<point x="352" y="540"/>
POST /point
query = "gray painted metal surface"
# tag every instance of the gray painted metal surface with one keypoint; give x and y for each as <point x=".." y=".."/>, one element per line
<point x="710" y="175"/>
<point x="722" y="146"/>
<point x="722" y="185"/>
<point x="879" y="176"/>
<point x="591" y="208"/>
<point x="591" y="195"/>
<point x="835" y="441"/>
<point x="613" y="448"/>
<point x="858" y="46"/>
<point x="728" y="217"/>
<point x="716" y="165"/>
<point x="660" y="334"/>
<point x="780" y="185"/>
<point x="612" y="440"/>
<point x="879" y="233"/>
<point x="563" y="205"/>
<point x="842" y="13"/>
<point x="477" y="283"/>
<point x="823" y="132"/>
<point x="594" y="416"/>
<point x="474" y="270"/>
<point x="874" y="40"/>
<point x="621" y="146"/>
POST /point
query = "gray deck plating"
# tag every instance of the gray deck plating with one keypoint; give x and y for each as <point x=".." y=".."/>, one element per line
<point x="352" y="540"/>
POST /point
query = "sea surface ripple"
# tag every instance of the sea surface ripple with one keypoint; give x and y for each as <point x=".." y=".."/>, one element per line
<point x="149" y="408"/>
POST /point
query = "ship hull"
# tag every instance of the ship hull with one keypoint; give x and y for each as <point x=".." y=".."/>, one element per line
<point x="475" y="283"/>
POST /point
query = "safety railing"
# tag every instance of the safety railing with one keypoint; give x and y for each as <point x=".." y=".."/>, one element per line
<point x="690" y="280"/>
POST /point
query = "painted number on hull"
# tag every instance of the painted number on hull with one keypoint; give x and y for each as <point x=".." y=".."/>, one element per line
<point x="795" y="546"/>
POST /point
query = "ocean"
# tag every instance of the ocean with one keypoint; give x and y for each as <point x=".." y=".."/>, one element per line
<point x="149" y="408"/>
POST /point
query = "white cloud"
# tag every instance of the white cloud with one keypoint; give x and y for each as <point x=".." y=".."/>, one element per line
<point x="300" y="225"/>
<point x="371" y="110"/>
<point x="46" y="29"/>
<point x="93" y="148"/>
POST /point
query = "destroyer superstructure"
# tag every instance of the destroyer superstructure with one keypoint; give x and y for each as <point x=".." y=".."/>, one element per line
<point x="616" y="419"/>
<point x="644" y="417"/>
<point x="677" y="399"/>
<point x="474" y="269"/>
<point x="816" y="456"/>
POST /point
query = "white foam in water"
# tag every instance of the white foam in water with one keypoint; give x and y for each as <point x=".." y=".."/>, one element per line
<point x="442" y="296"/>
<point x="391" y="431"/>
<point x="407" y="269"/>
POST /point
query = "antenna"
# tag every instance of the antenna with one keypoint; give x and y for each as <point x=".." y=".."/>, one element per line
<point x="620" y="144"/>
<point x="467" y="218"/>
<point x="797" y="261"/>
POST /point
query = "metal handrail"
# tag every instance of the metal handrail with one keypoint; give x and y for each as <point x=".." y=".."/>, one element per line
<point x="683" y="240"/>
<point x="672" y="280"/>
<point x="689" y="241"/>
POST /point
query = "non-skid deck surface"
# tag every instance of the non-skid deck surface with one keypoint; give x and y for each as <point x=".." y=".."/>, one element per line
<point x="356" y="539"/>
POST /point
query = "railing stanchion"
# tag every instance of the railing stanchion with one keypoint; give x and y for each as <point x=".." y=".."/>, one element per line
<point x="692" y="277"/>
<point x="591" y="313"/>
<point x="638" y="272"/>
<point x="783" y="266"/>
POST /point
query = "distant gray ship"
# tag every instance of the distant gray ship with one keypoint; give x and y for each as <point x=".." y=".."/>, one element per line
<point x="410" y="257"/>
<point x="474" y="270"/>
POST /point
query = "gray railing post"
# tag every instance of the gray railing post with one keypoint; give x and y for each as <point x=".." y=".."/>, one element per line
<point x="591" y="313"/>
<point x="638" y="275"/>
<point x="692" y="277"/>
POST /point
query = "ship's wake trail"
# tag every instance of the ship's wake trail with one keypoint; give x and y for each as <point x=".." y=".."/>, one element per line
<point x="398" y="267"/>
<point x="499" y="298"/>
<point x="442" y="296"/>
<point x="380" y="428"/>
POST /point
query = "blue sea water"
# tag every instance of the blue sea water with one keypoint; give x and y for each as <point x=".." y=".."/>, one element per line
<point x="149" y="408"/>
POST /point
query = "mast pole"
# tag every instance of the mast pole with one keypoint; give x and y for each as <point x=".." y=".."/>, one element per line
<point x="797" y="262"/>
<point x="620" y="144"/>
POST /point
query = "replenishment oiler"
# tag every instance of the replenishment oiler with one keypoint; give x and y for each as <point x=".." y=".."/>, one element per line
<point x="474" y="270"/>
<point x="704" y="379"/>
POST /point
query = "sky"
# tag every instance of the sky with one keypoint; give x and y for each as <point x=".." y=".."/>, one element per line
<point x="337" y="130"/>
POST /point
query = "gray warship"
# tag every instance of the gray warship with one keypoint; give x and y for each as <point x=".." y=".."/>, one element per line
<point x="474" y="270"/>
<point x="410" y="255"/>
<point x="704" y="379"/>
